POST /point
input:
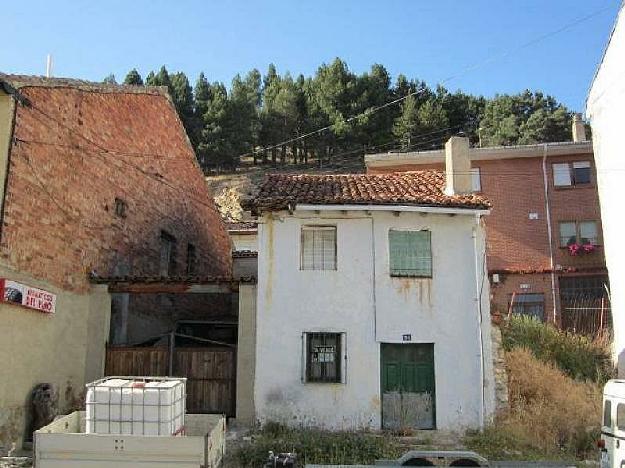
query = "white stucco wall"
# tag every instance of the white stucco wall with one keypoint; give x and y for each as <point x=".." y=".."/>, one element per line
<point x="605" y="109"/>
<point x="370" y="308"/>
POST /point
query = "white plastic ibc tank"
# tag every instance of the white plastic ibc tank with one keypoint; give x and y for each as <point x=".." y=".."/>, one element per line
<point x="140" y="406"/>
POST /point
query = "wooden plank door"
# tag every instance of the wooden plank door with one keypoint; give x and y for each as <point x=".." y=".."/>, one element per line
<point x="210" y="373"/>
<point x="408" y="386"/>
<point x="137" y="361"/>
<point x="211" y="378"/>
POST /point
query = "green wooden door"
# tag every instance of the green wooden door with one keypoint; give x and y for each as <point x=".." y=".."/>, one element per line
<point x="408" y="396"/>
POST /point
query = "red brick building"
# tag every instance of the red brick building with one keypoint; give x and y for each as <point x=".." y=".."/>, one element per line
<point x="545" y="204"/>
<point x="99" y="178"/>
<point x="95" y="181"/>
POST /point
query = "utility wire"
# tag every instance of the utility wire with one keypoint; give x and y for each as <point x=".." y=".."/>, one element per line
<point x="104" y="152"/>
<point x="461" y="73"/>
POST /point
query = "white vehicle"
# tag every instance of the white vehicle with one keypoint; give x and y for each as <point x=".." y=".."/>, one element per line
<point x="612" y="442"/>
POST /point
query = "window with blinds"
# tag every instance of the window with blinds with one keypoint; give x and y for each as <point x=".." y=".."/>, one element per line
<point x="318" y="248"/>
<point x="410" y="253"/>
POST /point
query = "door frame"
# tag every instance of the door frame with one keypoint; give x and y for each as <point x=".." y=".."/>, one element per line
<point x="434" y="399"/>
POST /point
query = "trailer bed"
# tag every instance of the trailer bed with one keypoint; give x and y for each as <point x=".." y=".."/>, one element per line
<point x="64" y="444"/>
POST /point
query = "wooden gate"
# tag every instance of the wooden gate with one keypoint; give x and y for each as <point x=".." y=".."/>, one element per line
<point x="210" y="372"/>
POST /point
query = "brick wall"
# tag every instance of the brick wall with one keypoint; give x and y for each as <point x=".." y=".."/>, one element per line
<point x="516" y="243"/>
<point x="516" y="189"/>
<point x="532" y="283"/>
<point x="75" y="151"/>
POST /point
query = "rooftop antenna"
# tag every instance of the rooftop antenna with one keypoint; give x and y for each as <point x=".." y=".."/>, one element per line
<point x="49" y="66"/>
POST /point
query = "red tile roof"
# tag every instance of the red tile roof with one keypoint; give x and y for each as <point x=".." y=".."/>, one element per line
<point x="418" y="188"/>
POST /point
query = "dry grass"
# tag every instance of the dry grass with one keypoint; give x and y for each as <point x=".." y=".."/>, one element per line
<point x="580" y="357"/>
<point x="551" y="415"/>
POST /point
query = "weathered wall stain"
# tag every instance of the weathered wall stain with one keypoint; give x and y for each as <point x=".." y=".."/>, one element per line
<point x="421" y="288"/>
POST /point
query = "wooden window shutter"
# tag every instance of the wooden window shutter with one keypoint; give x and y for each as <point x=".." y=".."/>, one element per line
<point x="410" y="253"/>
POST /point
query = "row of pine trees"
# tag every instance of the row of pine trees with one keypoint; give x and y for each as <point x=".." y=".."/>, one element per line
<point x="260" y="117"/>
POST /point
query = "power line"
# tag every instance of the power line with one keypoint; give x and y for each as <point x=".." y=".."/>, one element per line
<point x="462" y="72"/>
<point x="104" y="152"/>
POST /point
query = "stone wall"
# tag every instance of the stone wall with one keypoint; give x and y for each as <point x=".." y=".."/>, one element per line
<point x="499" y="367"/>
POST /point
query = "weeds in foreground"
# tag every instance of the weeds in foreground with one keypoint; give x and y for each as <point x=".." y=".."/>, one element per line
<point x="551" y="415"/>
<point x="316" y="446"/>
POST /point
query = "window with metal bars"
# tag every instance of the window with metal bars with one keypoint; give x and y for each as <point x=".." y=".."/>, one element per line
<point x="410" y="253"/>
<point x="323" y="357"/>
<point x="318" y="248"/>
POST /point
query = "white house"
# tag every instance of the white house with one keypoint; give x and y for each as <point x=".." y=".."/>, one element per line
<point x="373" y="302"/>
<point x="604" y="107"/>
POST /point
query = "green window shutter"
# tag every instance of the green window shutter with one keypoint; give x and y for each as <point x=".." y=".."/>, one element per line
<point x="410" y="253"/>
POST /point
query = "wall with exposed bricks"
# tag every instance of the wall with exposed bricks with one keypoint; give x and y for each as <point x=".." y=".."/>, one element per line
<point x="74" y="152"/>
<point x="516" y="243"/>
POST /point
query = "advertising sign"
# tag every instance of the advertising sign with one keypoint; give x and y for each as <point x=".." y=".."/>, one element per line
<point x="26" y="296"/>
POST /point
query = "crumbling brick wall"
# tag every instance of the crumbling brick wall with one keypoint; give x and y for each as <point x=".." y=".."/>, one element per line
<point x="76" y="149"/>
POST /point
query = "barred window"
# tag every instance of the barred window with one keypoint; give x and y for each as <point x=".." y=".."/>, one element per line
<point x="410" y="253"/>
<point x="323" y="357"/>
<point x="318" y="248"/>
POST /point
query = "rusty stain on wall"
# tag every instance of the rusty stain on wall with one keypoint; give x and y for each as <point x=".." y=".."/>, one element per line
<point x="420" y="287"/>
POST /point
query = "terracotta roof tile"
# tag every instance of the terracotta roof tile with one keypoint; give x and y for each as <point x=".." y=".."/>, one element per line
<point x="418" y="188"/>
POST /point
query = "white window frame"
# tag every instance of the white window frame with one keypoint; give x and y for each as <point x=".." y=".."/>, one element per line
<point x="578" y="231"/>
<point x="476" y="179"/>
<point x="323" y="264"/>
<point x="564" y="173"/>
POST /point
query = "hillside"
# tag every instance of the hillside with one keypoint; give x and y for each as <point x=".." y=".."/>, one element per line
<point x="247" y="177"/>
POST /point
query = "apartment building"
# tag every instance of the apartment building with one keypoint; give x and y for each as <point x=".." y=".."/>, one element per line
<point x="544" y="234"/>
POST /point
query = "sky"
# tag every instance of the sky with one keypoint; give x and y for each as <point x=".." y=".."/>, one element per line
<point x="482" y="44"/>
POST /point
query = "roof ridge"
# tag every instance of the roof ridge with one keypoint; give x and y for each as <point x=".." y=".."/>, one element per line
<point x="39" y="81"/>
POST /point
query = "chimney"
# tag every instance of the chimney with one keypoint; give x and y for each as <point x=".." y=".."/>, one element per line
<point x="457" y="166"/>
<point x="579" y="129"/>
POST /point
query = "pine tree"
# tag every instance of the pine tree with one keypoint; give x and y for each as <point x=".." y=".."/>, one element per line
<point x="109" y="79"/>
<point x="407" y="124"/>
<point x="133" y="78"/>
<point x="182" y="95"/>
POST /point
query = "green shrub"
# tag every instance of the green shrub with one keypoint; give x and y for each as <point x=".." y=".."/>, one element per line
<point x="316" y="446"/>
<point x="578" y="356"/>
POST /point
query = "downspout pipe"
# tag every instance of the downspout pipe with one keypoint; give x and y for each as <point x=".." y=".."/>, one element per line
<point x="479" y="288"/>
<point x="549" y="233"/>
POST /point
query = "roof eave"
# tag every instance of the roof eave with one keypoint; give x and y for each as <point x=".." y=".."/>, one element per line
<point x="471" y="210"/>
